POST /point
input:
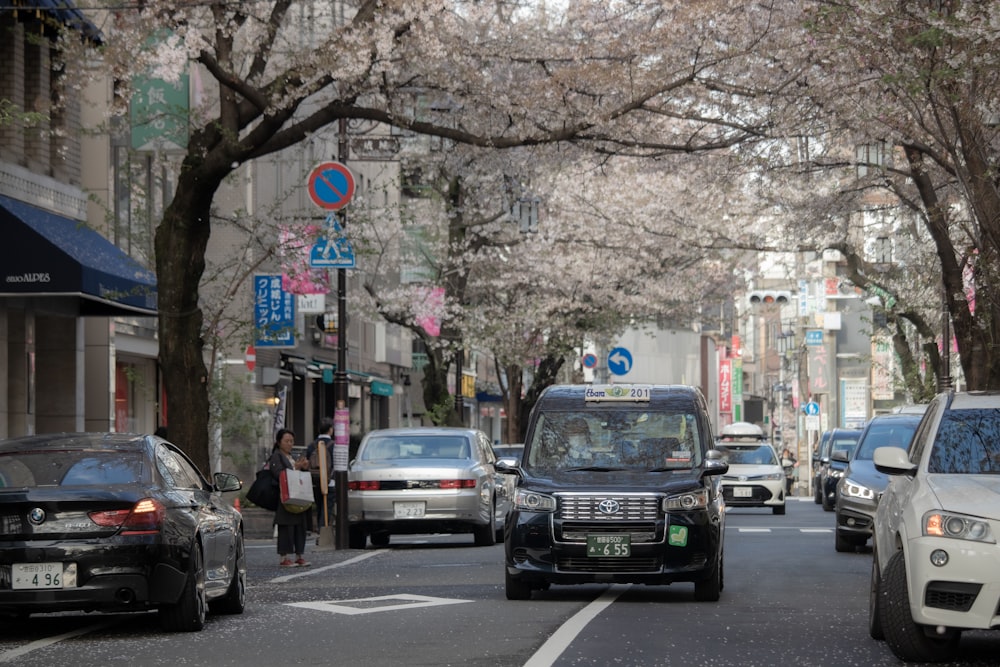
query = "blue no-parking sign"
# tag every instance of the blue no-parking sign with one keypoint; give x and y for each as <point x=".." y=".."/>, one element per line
<point x="331" y="185"/>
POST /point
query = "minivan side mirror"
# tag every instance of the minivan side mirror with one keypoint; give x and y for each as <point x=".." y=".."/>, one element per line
<point x="715" y="463"/>
<point x="841" y="456"/>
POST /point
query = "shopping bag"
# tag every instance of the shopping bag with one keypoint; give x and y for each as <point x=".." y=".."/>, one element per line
<point x="264" y="491"/>
<point x="296" y="488"/>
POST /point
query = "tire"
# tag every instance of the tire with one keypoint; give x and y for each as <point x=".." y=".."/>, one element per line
<point x="188" y="613"/>
<point x="710" y="588"/>
<point x="874" y="603"/>
<point x="380" y="538"/>
<point x="818" y="496"/>
<point x="356" y="537"/>
<point x="235" y="599"/>
<point x="486" y="535"/>
<point x="515" y="588"/>
<point x="908" y="640"/>
<point x="778" y="509"/>
<point x="827" y="505"/>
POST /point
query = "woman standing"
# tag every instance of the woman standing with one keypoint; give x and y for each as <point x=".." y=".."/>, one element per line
<point x="789" y="463"/>
<point x="291" y="526"/>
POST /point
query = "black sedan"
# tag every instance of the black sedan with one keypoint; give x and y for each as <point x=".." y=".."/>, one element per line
<point x="116" y="522"/>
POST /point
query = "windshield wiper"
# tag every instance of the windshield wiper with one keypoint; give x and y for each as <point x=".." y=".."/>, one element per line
<point x="593" y="469"/>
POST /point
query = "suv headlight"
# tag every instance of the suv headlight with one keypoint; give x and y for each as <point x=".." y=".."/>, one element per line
<point x="852" y="489"/>
<point x="694" y="500"/>
<point x="773" y="476"/>
<point x="942" y="524"/>
<point x="531" y="501"/>
<point x="836" y="474"/>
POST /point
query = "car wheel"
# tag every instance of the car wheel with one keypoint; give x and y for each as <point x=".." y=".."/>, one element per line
<point x="827" y="505"/>
<point x="908" y="640"/>
<point x="874" y="608"/>
<point x="844" y="544"/>
<point x="778" y="509"/>
<point x="234" y="601"/>
<point x="356" y="537"/>
<point x="486" y="535"/>
<point x="380" y="538"/>
<point x="818" y="496"/>
<point x="188" y="613"/>
<point x="515" y="588"/>
<point x="709" y="589"/>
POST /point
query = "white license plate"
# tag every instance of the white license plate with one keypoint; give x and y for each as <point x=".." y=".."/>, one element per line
<point x="408" y="510"/>
<point x="742" y="492"/>
<point x="42" y="575"/>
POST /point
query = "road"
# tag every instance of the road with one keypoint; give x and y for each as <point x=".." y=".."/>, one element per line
<point x="789" y="599"/>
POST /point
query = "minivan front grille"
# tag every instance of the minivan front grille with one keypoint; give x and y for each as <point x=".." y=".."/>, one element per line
<point x="609" y="507"/>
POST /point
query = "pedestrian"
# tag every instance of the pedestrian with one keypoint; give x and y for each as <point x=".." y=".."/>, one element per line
<point x="789" y="463"/>
<point x="292" y="526"/>
<point x="324" y="437"/>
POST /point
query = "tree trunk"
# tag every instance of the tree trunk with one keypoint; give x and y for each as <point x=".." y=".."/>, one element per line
<point x="181" y="240"/>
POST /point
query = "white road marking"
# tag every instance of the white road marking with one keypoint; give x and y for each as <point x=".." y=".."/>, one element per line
<point x="371" y="605"/>
<point x="550" y="651"/>
<point x="14" y="654"/>
<point x="306" y="571"/>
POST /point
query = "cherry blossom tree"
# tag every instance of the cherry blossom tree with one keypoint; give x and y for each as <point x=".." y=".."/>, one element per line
<point x="651" y="78"/>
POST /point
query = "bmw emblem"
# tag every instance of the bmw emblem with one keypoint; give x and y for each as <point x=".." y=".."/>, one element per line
<point x="609" y="506"/>
<point x="36" y="516"/>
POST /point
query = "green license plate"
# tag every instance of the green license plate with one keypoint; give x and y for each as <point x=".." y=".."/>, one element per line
<point x="609" y="546"/>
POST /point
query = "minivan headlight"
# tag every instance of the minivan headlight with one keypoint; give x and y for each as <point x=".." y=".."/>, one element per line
<point x="943" y="524"/>
<point x="693" y="500"/>
<point x="532" y="501"/>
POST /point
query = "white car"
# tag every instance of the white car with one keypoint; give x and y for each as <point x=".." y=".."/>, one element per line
<point x="936" y="562"/>
<point x="755" y="477"/>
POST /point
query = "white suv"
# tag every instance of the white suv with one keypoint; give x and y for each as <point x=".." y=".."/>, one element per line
<point x="936" y="564"/>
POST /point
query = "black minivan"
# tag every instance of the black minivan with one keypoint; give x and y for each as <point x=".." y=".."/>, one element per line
<point x="618" y="483"/>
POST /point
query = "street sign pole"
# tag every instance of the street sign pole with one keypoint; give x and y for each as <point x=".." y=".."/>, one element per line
<point x="340" y="381"/>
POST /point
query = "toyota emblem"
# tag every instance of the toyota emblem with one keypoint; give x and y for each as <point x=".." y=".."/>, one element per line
<point x="609" y="506"/>
<point x="36" y="516"/>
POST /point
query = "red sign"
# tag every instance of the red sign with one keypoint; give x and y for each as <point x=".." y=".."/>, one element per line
<point x="250" y="357"/>
<point x="331" y="185"/>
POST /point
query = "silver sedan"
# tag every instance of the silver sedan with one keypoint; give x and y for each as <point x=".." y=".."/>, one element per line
<point x="425" y="480"/>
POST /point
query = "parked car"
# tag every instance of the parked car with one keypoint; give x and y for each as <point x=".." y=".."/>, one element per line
<point x="116" y="522"/>
<point x="859" y="489"/>
<point x="619" y="483"/>
<point x="830" y="470"/>
<point x="425" y="480"/>
<point x="755" y="477"/>
<point x="935" y="565"/>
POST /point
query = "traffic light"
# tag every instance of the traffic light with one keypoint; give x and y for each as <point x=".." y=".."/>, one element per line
<point x="767" y="297"/>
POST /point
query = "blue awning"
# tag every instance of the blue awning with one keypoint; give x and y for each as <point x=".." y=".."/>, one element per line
<point x="59" y="12"/>
<point x="47" y="255"/>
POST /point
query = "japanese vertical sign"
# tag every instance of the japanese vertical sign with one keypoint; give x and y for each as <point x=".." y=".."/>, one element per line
<point x="819" y="362"/>
<point x="883" y="369"/>
<point x="274" y="312"/>
<point x="725" y="385"/>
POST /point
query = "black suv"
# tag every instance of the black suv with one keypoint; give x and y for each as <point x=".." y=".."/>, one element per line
<point x="829" y="470"/>
<point x="618" y="483"/>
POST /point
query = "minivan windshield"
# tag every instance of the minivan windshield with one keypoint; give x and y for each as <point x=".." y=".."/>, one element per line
<point x="614" y="439"/>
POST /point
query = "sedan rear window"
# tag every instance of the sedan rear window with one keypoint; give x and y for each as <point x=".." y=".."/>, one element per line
<point x="416" y="447"/>
<point x="967" y="442"/>
<point x="69" y="468"/>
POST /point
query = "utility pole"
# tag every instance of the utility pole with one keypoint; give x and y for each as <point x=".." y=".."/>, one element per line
<point x="340" y="381"/>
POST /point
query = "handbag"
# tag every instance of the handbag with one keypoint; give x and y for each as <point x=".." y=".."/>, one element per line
<point x="296" y="489"/>
<point x="264" y="491"/>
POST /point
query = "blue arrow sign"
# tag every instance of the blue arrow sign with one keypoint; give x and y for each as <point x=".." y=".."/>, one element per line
<point x="620" y="361"/>
<point x="332" y="250"/>
<point x="812" y="408"/>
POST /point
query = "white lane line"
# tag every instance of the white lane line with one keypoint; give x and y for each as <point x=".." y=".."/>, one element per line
<point x="815" y="530"/>
<point x="550" y="651"/>
<point x="305" y="572"/>
<point x="14" y="654"/>
<point x="754" y="530"/>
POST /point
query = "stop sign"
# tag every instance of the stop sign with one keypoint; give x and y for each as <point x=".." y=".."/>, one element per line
<point x="250" y="357"/>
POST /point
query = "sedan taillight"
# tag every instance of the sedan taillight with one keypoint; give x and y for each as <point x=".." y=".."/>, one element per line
<point x="145" y="517"/>
<point x="457" y="484"/>
<point x="364" y="485"/>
